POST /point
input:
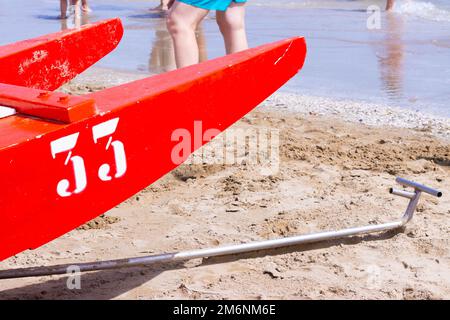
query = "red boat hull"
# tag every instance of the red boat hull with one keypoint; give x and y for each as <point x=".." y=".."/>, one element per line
<point x="49" y="61"/>
<point x="56" y="177"/>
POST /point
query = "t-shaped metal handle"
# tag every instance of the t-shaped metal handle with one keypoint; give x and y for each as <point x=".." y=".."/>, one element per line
<point x="418" y="186"/>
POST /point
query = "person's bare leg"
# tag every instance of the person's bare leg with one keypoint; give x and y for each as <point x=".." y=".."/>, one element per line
<point x="164" y="5"/>
<point x="232" y="26"/>
<point x="170" y="3"/>
<point x="201" y="42"/>
<point x="85" y="6"/>
<point x="389" y="4"/>
<point x="160" y="6"/>
<point x="72" y="6"/>
<point x="182" y="22"/>
<point x="63" y="8"/>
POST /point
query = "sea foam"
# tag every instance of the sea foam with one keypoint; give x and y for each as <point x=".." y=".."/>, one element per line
<point x="423" y="10"/>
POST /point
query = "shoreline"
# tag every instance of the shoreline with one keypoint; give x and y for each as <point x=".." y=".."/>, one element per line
<point x="404" y="62"/>
<point x="371" y="114"/>
<point x="354" y="111"/>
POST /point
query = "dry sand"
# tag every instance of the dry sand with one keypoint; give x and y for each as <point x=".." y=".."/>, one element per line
<point x="334" y="173"/>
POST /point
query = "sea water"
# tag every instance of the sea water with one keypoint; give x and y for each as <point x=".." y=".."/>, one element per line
<point x="401" y="59"/>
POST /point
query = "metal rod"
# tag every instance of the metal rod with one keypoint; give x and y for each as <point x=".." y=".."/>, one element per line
<point x="219" y="251"/>
<point x="194" y="254"/>
<point x="418" y="186"/>
<point x="402" y="193"/>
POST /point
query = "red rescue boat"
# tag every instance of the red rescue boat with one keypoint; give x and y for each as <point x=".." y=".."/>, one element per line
<point x="66" y="159"/>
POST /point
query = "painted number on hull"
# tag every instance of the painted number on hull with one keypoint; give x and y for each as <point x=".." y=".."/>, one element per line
<point x="67" y="144"/>
<point x="106" y="129"/>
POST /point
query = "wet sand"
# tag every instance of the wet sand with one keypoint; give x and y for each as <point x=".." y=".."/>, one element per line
<point x="335" y="171"/>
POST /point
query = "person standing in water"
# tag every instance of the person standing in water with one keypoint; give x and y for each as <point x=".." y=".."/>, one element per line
<point x="85" y="6"/>
<point x="163" y="6"/>
<point x="63" y="7"/>
<point x="185" y="15"/>
<point x="63" y="4"/>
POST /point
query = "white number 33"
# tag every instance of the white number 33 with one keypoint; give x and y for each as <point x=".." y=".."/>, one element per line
<point x="65" y="144"/>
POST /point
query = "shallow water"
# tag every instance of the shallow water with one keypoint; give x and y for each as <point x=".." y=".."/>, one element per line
<point x="404" y="63"/>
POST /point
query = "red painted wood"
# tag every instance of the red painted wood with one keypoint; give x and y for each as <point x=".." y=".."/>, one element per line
<point x="143" y="115"/>
<point x="45" y="104"/>
<point x="49" y="61"/>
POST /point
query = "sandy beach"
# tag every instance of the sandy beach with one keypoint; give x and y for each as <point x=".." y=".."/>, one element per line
<point x="336" y="165"/>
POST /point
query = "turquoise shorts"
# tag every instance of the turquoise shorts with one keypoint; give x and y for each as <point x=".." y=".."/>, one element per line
<point x="220" y="5"/>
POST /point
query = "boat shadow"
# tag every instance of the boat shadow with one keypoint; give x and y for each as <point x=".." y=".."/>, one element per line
<point x="109" y="284"/>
